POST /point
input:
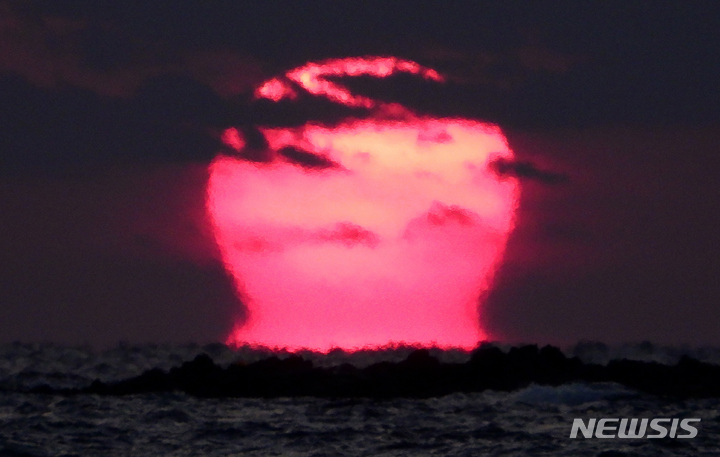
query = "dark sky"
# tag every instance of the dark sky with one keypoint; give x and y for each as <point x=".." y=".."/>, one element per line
<point x="109" y="112"/>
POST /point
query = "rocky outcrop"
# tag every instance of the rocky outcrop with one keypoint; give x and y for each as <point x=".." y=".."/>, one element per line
<point x="420" y="375"/>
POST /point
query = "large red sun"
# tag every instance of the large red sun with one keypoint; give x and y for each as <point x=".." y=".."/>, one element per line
<point x="375" y="231"/>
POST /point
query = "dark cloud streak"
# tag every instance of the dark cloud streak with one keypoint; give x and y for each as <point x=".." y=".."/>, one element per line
<point x="527" y="170"/>
<point x="306" y="159"/>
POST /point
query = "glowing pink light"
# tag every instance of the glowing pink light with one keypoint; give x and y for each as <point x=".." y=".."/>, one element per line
<point x="232" y="138"/>
<point x="275" y="90"/>
<point x="393" y="243"/>
<point x="313" y="77"/>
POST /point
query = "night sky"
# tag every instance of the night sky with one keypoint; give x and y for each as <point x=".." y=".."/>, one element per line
<point x="110" y="113"/>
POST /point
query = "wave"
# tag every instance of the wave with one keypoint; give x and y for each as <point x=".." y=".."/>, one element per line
<point x="572" y="394"/>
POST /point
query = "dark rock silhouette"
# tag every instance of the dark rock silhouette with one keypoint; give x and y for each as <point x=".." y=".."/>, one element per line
<point x="420" y="375"/>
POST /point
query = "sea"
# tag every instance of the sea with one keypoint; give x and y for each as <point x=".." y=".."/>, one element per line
<point x="533" y="421"/>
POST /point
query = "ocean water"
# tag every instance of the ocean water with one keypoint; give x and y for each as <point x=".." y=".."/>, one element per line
<point x="532" y="421"/>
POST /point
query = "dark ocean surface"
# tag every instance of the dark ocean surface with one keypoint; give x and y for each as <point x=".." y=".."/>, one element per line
<point x="535" y="420"/>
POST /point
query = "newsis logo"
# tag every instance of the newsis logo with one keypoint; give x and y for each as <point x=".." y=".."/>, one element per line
<point x="635" y="428"/>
